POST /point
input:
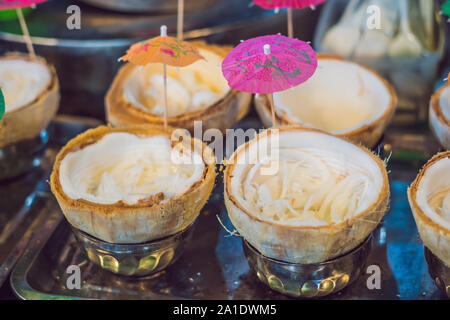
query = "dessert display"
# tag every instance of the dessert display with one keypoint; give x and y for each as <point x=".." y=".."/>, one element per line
<point x="439" y="115"/>
<point x="122" y="186"/>
<point x="31" y="91"/>
<point x="342" y="98"/>
<point x="429" y="198"/>
<point x="324" y="200"/>
<point x="196" y="92"/>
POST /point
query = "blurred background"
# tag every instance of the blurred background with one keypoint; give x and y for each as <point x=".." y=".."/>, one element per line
<point x="409" y="48"/>
<point x="86" y="58"/>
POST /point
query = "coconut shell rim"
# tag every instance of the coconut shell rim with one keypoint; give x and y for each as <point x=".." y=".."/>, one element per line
<point x="379" y="121"/>
<point x="96" y="134"/>
<point x="384" y="193"/>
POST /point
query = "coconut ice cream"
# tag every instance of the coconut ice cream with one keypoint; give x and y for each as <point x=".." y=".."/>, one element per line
<point x="31" y="91"/>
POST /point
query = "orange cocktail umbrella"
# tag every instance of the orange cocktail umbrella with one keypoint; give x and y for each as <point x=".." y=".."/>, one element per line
<point x="166" y="50"/>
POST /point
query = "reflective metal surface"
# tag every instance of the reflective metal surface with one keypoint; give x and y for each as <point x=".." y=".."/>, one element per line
<point x="309" y="280"/>
<point x="139" y="260"/>
<point x="17" y="225"/>
<point x="24" y="199"/>
<point x="214" y="266"/>
<point x="439" y="271"/>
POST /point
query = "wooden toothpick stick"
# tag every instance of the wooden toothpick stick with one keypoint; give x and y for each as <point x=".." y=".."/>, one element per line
<point x="180" y="19"/>
<point x="272" y="108"/>
<point x="290" y="23"/>
<point x="26" y="34"/>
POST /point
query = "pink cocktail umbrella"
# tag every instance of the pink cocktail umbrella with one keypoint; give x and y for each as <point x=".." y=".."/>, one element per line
<point x="269" y="64"/>
<point x="18" y="5"/>
<point x="289" y="4"/>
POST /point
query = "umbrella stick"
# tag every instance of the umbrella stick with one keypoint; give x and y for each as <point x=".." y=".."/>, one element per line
<point x="290" y="24"/>
<point x="180" y="19"/>
<point x="25" y="32"/>
<point x="165" y="96"/>
<point x="272" y="108"/>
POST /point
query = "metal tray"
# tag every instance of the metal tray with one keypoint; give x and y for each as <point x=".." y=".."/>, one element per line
<point x="214" y="266"/>
<point x="151" y="6"/>
<point x="23" y="200"/>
